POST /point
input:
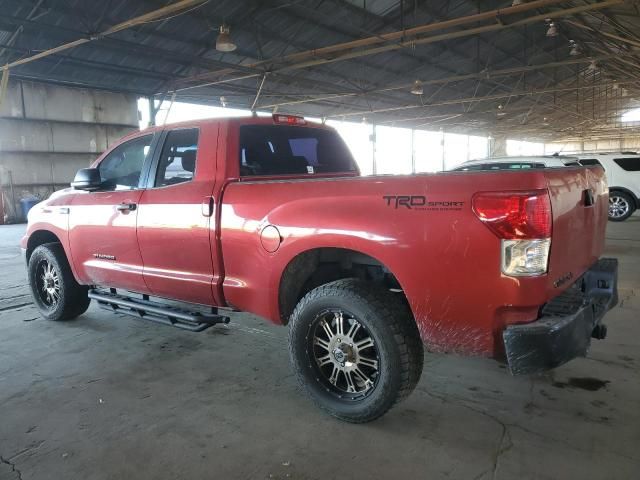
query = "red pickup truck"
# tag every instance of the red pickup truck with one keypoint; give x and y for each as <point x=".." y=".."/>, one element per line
<point x="270" y="215"/>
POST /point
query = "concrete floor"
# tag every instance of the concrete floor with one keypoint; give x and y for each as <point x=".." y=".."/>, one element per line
<point x="107" y="397"/>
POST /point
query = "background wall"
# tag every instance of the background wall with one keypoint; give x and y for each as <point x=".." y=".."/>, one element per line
<point x="48" y="132"/>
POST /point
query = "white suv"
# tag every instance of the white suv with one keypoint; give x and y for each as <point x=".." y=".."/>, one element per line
<point x="623" y="176"/>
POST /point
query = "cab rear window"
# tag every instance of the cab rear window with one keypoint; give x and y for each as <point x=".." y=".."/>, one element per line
<point x="289" y="150"/>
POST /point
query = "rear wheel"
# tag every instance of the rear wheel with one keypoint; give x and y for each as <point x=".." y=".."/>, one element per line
<point x="621" y="206"/>
<point x="54" y="289"/>
<point x="355" y="349"/>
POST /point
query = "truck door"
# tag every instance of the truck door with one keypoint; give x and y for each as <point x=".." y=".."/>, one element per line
<point x="102" y="224"/>
<point x="175" y="217"/>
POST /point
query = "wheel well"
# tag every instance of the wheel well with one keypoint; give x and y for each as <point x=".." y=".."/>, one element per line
<point x="628" y="192"/>
<point x="316" y="267"/>
<point x="40" y="237"/>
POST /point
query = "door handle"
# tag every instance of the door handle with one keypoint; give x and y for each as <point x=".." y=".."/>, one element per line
<point x="207" y="206"/>
<point x="589" y="199"/>
<point x="126" y="207"/>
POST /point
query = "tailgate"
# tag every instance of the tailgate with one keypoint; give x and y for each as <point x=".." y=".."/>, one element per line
<point x="579" y="204"/>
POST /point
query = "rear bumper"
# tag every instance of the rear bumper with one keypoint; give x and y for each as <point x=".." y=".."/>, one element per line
<point x="567" y="324"/>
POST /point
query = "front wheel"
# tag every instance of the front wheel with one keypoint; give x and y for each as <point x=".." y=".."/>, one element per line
<point x="621" y="206"/>
<point x="54" y="289"/>
<point x="355" y="348"/>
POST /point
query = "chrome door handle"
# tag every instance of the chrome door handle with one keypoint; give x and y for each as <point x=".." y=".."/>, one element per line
<point x="126" y="207"/>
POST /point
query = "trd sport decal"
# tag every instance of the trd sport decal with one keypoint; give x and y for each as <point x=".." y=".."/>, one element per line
<point x="419" y="202"/>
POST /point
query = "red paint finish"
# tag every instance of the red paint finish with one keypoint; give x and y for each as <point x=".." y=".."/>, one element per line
<point x="445" y="259"/>
<point x="174" y="234"/>
<point x="98" y="231"/>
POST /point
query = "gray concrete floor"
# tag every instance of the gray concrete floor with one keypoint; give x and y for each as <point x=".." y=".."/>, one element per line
<point x="110" y="397"/>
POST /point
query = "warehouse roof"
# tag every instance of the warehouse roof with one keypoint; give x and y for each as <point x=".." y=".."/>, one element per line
<point x="492" y="73"/>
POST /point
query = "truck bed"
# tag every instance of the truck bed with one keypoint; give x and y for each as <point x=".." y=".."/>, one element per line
<point x="423" y="230"/>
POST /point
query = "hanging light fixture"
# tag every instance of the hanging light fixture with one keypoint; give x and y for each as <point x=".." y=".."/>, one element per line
<point x="552" y="31"/>
<point x="224" y="42"/>
<point x="417" y="89"/>
<point x="575" y="49"/>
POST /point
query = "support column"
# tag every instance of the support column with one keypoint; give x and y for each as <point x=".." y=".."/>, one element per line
<point x="498" y="146"/>
<point x="152" y="111"/>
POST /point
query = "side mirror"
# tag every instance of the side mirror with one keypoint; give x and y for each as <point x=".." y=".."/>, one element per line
<point x="87" y="179"/>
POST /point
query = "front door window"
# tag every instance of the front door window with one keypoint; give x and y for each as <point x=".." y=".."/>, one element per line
<point x="121" y="169"/>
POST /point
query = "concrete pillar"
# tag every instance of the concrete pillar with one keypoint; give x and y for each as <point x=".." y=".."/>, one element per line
<point x="498" y="146"/>
<point x="48" y="132"/>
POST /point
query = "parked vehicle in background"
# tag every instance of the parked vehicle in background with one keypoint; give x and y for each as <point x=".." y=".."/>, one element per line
<point x="517" y="163"/>
<point x="272" y="217"/>
<point x="623" y="176"/>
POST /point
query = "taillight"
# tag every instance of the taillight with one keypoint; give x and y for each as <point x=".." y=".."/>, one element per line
<point x="289" y="119"/>
<point x="522" y="220"/>
<point x="513" y="215"/>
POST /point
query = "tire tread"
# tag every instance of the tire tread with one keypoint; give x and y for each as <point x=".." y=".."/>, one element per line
<point x="399" y="318"/>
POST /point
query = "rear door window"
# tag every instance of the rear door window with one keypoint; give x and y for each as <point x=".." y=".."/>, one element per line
<point x="288" y="150"/>
<point x="177" y="162"/>
<point x="628" y="164"/>
<point x="589" y="162"/>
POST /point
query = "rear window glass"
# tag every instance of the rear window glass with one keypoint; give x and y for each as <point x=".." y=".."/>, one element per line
<point x="628" y="164"/>
<point x="287" y="150"/>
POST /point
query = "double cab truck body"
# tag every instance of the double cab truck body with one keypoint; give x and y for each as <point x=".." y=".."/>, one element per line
<point x="270" y="216"/>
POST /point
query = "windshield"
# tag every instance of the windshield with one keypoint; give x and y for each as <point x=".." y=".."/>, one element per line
<point x="287" y="150"/>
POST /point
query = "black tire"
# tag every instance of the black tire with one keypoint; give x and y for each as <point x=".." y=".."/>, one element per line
<point x="621" y="206"/>
<point x="386" y="319"/>
<point x="70" y="299"/>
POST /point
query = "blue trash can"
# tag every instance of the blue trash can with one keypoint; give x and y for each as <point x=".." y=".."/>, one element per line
<point x="27" y="204"/>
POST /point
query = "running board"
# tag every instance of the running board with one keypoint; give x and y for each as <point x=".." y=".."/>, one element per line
<point x="156" y="312"/>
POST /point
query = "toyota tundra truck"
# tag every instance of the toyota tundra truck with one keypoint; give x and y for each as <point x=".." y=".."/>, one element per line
<point x="181" y="224"/>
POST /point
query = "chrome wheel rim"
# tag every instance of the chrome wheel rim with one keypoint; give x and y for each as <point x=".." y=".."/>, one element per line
<point x="618" y="207"/>
<point x="48" y="283"/>
<point x="344" y="354"/>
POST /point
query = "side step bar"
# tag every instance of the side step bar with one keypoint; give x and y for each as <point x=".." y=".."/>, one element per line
<point x="156" y="312"/>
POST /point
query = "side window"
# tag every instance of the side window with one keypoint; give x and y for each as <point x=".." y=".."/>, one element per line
<point x="120" y="169"/>
<point x="177" y="162"/>
<point x="588" y="162"/>
<point x="628" y="164"/>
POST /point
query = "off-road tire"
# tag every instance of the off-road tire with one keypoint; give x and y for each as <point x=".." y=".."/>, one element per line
<point x="73" y="298"/>
<point x="390" y="324"/>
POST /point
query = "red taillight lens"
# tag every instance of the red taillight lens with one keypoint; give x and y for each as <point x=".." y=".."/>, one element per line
<point x="515" y="215"/>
